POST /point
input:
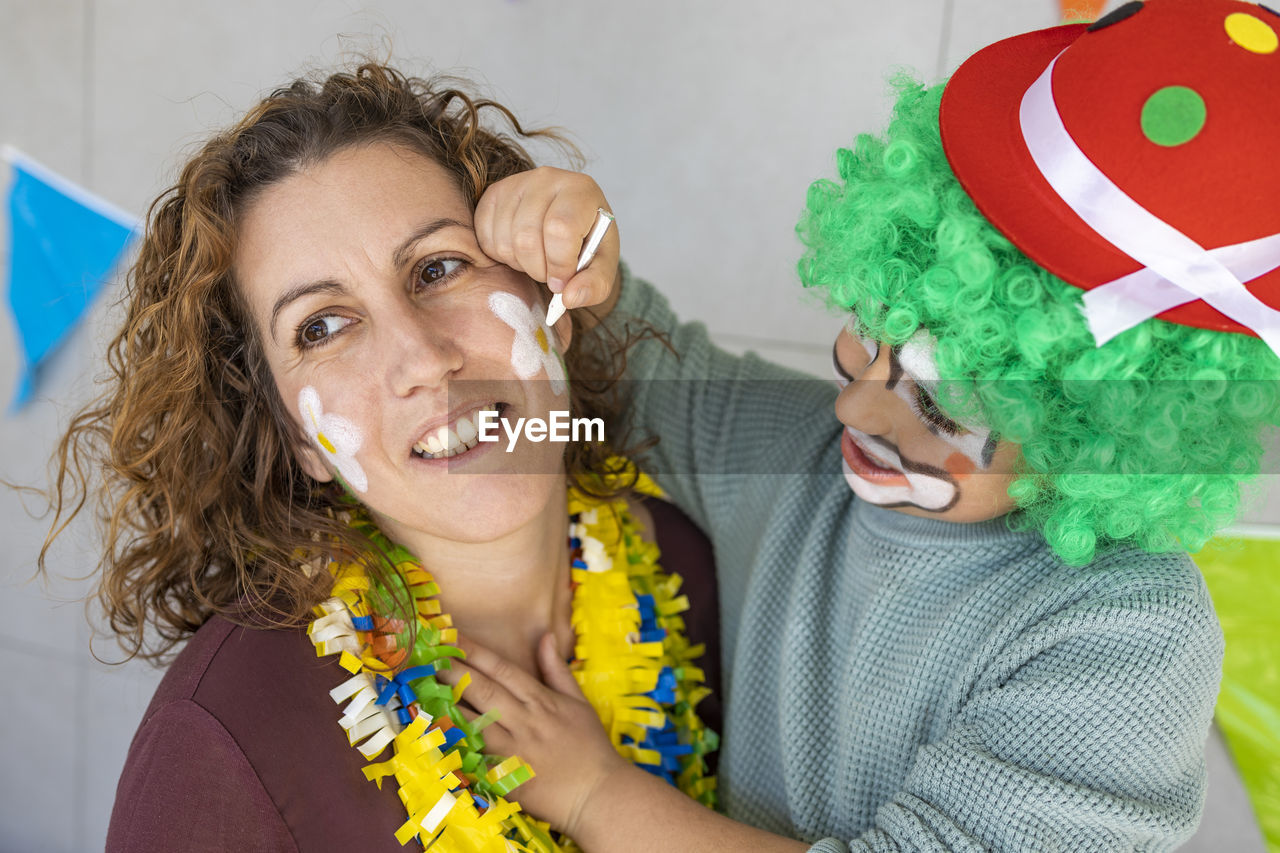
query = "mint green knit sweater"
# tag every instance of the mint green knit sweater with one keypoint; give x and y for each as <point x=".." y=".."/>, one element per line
<point x="898" y="683"/>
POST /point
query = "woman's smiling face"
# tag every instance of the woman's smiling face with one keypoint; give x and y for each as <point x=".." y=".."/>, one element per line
<point x="900" y="451"/>
<point x="387" y="331"/>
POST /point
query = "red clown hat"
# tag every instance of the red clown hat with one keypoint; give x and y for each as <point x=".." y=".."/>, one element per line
<point x="1137" y="159"/>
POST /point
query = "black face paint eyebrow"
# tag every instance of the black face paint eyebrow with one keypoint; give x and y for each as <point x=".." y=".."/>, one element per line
<point x="989" y="449"/>
<point x="835" y="362"/>
<point x="895" y="370"/>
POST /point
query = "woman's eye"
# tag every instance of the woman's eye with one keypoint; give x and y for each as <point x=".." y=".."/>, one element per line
<point x="317" y="329"/>
<point x="437" y="270"/>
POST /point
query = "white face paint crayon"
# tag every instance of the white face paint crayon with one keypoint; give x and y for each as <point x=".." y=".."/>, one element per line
<point x="556" y="309"/>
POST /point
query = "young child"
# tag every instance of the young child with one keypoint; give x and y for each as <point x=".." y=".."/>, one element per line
<point x="1061" y="356"/>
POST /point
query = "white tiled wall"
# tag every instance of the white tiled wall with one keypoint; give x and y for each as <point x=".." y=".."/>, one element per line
<point x="704" y="122"/>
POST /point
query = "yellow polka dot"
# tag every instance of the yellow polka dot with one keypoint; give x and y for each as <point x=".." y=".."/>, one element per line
<point x="326" y="444"/>
<point x="542" y="339"/>
<point x="1251" y="33"/>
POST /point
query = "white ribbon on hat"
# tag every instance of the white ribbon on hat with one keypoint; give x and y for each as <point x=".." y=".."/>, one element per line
<point x="1176" y="269"/>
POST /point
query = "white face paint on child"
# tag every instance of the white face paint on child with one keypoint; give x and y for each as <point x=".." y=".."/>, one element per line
<point x="918" y="485"/>
<point x="917" y="358"/>
<point x="899" y="450"/>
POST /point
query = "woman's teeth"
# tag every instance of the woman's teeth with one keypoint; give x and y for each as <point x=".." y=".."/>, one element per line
<point x="451" y="440"/>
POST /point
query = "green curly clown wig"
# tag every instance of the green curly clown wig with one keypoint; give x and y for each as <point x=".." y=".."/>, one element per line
<point x="1146" y="440"/>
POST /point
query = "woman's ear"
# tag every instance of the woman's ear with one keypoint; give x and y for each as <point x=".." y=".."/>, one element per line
<point x="312" y="462"/>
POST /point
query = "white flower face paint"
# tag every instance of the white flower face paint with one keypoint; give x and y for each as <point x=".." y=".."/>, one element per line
<point x="338" y="437"/>
<point x="532" y="351"/>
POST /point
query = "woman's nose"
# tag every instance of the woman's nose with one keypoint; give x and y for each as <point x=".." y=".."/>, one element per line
<point x="418" y="351"/>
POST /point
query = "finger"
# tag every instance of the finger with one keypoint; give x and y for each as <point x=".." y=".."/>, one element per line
<point x="486" y="695"/>
<point x="486" y="209"/>
<point x="528" y="222"/>
<point x="497" y="738"/>
<point x="482" y="661"/>
<point x="569" y="219"/>
<point x="500" y="203"/>
<point x="450" y="674"/>
<point x="555" y="672"/>
<point x="594" y="284"/>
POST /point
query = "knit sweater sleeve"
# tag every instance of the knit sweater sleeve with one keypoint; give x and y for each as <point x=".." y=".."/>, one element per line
<point x="716" y="413"/>
<point x="1086" y="731"/>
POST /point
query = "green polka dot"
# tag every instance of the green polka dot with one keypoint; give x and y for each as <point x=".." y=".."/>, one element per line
<point x="1173" y="115"/>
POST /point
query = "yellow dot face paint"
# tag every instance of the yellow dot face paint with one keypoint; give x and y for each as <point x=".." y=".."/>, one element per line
<point x="338" y="437"/>
<point x="531" y="349"/>
<point x="1253" y="34"/>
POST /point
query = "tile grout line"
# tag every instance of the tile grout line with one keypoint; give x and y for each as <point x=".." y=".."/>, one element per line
<point x="945" y="37"/>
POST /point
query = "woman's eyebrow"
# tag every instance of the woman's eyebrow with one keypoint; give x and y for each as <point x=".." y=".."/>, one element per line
<point x="297" y="292"/>
<point x="835" y="362"/>
<point x="401" y="256"/>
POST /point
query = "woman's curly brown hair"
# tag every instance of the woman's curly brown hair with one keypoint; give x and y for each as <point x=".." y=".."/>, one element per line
<point x="203" y="507"/>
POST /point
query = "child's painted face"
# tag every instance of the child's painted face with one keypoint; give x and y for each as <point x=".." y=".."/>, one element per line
<point x="900" y="451"/>
<point x="387" y="331"/>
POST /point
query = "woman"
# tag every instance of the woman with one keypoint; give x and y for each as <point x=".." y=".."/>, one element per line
<point x="294" y="437"/>
<point x="960" y="615"/>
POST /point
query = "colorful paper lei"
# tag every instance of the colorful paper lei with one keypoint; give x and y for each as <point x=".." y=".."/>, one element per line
<point x="632" y="661"/>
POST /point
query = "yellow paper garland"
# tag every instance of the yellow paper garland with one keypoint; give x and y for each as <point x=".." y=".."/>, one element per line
<point x="612" y="665"/>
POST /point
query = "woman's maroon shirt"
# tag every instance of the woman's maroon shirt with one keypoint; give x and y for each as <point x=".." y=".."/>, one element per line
<point x="240" y="748"/>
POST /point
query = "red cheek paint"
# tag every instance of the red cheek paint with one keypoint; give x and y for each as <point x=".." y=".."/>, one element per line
<point x="959" y="466"/>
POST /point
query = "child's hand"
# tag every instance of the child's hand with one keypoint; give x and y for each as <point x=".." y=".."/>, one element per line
<point x="535" y="222"/>
<point x="551" y="726"/>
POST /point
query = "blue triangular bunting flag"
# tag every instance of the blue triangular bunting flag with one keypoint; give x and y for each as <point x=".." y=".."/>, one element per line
<point x="63" y="243"/>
